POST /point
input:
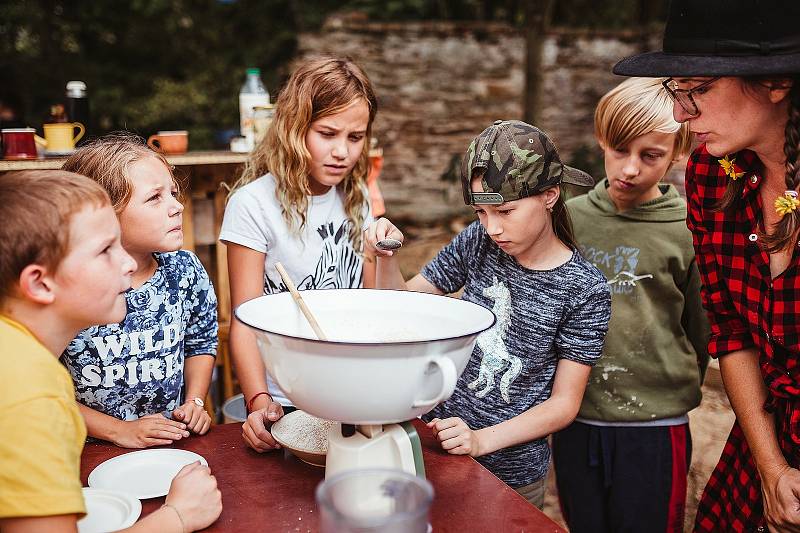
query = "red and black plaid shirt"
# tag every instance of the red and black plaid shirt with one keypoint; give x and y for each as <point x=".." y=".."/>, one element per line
<point x="747" y="308"/>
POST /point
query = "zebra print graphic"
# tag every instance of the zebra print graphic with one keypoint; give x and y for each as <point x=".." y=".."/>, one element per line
<point x="338" y="267"/>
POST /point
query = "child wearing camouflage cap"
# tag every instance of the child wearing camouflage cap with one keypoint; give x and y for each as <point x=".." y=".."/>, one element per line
<point x="528" y="372"/>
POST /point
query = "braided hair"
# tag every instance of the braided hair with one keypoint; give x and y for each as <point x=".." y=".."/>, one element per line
<point x="781" y="235"/>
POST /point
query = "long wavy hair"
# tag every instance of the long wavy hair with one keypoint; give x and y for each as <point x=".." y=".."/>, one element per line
<point x="780" y="236"/>
<point x="316" y="89"/>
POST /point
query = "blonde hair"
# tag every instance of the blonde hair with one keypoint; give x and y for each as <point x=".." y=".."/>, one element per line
<point x="636" y="107"/>
<point x="107" y="161"/>
<point x="36" y="211"/>
<point x="318" y="88"/>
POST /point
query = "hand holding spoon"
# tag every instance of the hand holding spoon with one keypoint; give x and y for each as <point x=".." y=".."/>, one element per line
<point x="388" y="244"/>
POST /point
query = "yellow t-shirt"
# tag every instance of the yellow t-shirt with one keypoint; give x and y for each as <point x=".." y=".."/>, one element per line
<point x="41" y="430"/>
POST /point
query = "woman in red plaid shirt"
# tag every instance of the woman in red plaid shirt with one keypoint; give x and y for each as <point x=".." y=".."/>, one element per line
<point x="735" y="78"/>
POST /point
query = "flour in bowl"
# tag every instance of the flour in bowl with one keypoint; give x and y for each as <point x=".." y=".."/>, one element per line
<point x="302" y="431"/>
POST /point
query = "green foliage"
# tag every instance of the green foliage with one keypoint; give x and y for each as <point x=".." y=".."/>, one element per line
<point x="148" y="64"/>
<point x="609" y="14"/>
<point x="179" y="64"/>
<point x="508" y="10"/>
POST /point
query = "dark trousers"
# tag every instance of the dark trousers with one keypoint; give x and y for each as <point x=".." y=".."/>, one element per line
<point x="622" y="479"/>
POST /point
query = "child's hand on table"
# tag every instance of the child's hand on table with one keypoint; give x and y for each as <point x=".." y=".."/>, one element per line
<point x="255" y="429"/>
<point x="377" y="231"/>
<point x="151" y="430"/>
<point x="194" y="495"/>
<point x="456" y="436"/>
<point x="194" y="415"/>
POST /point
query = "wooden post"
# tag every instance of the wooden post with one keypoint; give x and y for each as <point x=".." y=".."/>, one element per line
<point x="537" y="21"/>
<point x="188" y="222"/>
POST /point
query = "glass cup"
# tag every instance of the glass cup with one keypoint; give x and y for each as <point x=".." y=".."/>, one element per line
<point x="262" y="118"/>
<point x="374" y="500"/>
<point x="20" y="143"/>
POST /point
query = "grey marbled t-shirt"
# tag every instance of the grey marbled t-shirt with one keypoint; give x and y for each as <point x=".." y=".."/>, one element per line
<point x="542" y="316"/>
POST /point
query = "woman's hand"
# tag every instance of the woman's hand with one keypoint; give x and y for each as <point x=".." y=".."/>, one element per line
<point x="781" y="492"/>
<point x="456" y="436"/>
<point x="196" y="418"/>
<point x="377" y="231"/>
<point x="151" y="430"/>
<point x="255" y="430"/>
<point x="195" y="496"/>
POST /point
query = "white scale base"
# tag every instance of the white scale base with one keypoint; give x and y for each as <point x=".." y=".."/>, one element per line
<point x="372" y="446"/>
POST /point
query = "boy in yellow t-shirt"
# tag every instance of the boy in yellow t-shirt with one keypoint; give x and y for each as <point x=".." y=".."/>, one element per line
<point x="37" y="407"/>
<point x="62" y="268"/>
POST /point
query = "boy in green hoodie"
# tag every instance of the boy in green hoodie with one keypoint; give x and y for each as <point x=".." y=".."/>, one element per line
<point x="622" y="465"/>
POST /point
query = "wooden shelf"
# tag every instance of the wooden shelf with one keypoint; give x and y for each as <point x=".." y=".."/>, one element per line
<point x="31" y="164"/>
<point x="221" y="157"/>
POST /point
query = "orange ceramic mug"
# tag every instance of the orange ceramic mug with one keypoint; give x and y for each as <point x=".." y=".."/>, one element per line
<point x="170" y="142"/>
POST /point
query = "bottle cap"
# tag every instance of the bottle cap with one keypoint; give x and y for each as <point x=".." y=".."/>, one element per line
<point x="76" y="89"/>
<point x="253" y="70"/>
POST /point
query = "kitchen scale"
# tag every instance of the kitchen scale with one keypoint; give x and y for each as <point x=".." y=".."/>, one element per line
<point x="366" y="446"/>
<point x="390" y="357"/>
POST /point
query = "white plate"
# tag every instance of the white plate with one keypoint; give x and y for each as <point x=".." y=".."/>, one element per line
<point x="144" y="474"/>
<point x="108" y="510"/>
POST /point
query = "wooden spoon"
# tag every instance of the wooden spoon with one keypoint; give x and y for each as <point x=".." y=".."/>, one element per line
<point x="300" y="302"/>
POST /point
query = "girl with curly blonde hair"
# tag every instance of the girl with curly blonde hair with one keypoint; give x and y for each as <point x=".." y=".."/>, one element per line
<point x="302" y="202"/>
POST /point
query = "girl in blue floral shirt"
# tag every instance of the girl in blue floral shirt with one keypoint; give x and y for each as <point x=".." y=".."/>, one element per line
<point x="140" y="383"/>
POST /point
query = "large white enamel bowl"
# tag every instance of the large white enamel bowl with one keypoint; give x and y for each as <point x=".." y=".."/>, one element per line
<point x="390" y="356"/>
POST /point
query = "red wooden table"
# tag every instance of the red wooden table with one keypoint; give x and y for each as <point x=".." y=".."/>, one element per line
<point x="275" y="491"/>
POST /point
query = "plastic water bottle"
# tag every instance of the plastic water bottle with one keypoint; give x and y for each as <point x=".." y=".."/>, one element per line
<point x="78" y="105"/>
<point x="252" y="95"/>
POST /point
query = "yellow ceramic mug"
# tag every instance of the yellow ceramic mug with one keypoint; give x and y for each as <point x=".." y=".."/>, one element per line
<point x="60" y="137"/>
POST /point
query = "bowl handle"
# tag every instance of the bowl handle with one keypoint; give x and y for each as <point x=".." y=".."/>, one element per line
<point x="449" y="377"/>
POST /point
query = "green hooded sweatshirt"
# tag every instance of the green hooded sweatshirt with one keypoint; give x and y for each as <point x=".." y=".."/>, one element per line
<point x="655" y="352"/>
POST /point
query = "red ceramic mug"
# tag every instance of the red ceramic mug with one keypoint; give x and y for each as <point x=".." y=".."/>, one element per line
<point x="19" y="143"/>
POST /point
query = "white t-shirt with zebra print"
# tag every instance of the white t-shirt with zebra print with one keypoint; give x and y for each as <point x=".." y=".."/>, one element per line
<point x="320" y="257"/>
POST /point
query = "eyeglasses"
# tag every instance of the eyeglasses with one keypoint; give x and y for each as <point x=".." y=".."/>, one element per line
<point x="684" y="96"/>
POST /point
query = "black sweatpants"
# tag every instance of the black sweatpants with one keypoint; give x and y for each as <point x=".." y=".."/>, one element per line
<point x="622" y="479"/>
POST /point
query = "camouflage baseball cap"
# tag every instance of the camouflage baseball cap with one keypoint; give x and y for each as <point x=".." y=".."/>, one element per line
<point x="517" y="160"/>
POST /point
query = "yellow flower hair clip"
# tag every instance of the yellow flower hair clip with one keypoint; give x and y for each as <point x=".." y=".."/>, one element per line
<point x="729" y="166"/>
<point x="787" y="203"/>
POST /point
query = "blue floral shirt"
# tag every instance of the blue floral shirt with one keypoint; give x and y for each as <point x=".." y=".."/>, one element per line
<point x="135" y="368"/>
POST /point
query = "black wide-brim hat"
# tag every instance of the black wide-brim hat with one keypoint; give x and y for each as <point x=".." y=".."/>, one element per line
<point x="724" y="38"/>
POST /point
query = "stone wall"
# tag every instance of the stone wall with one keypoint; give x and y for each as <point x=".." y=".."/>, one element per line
<point x="440" y="83"/>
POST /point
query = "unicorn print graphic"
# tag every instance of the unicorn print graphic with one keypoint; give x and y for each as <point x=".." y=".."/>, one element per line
<point x="493" y="346"/>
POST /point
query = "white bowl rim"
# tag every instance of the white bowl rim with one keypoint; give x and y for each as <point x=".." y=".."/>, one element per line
<point x="370" y="343"/>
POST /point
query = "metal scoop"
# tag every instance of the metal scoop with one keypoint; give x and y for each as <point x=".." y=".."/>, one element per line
<point x="388" y="244"/>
